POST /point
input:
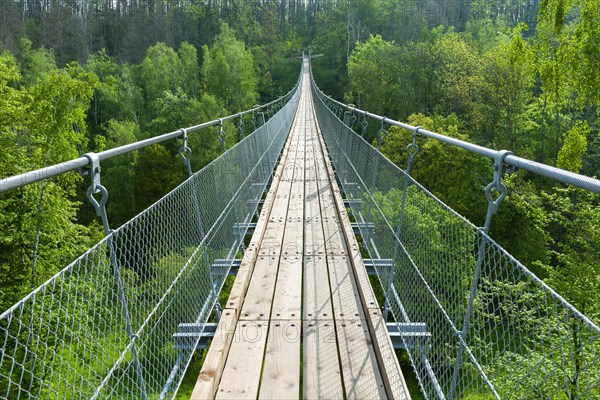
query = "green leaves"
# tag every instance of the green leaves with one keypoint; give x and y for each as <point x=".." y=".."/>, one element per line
<point x="574" y="147"/>
<point x="228" y="72"/>
<point x="575" y="272"/>
<point x="373" y="68"/>
<point x="160" y="72"/>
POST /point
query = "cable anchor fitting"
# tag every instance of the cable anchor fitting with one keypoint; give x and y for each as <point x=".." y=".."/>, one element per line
<point x="412" y="149"/>
<point x="95" y="187"/>
<point x="381" y="134"/>
<point x="498" y="186"/>
<point x="221" y="134"/>
<point x="185" y="151"/>
<point x="241" y="127"/>
<point x="364" y="125"/>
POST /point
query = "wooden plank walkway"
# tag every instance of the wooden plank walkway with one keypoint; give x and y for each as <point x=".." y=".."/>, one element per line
<point x="302" y="320"/>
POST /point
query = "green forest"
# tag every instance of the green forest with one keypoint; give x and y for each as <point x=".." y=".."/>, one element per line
<point x="84" y="76"/>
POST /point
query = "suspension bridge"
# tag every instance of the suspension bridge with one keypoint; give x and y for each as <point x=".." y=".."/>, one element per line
<point x="328" y="216"/>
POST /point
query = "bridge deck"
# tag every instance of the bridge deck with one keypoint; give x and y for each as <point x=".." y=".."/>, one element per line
<point x="302" y="319"/>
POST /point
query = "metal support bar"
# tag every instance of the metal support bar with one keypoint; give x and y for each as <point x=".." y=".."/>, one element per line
<point x="249" y="227"/>
<point x="231" y="267"/>
<point x="226" y="267"/>
<point x="403" y="335"/>
<point x="374" y="264"/>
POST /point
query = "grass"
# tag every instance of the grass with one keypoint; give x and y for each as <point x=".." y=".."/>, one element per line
<point x="191" y="375"/>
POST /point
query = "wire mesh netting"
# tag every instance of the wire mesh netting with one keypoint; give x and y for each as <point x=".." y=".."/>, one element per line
<point x="495" y="330"/>
<point x="104" y="326"/>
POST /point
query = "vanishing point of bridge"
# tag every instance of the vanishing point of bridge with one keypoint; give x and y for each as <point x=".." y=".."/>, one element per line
<point x="301" y="320"/>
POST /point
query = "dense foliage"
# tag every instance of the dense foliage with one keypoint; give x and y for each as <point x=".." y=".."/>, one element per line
<point x="59" y="100"/>
<point x="79" y="76"/>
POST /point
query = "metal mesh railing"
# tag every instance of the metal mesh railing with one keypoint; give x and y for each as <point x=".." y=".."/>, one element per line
<point x="495" y="330"/>
<point x="104" y="326"/>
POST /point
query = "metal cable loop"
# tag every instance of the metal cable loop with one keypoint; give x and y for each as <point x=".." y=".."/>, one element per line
<point x="254" y="120"/>
<point x="221" y="135"/>
<point x="353" y="118"/>
<point x="364" y="125"/>
<point x="412" y="149"/>
<point x="494" y="204"/>
<point x="381" y="134"/>
<point x="241" y="127"/>
<point x="185" y="151"/>
<point x="96" y="187"/>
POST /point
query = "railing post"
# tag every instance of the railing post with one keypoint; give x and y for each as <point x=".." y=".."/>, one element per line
<point x="100" y="208"/>
<point x="493" y="206"/>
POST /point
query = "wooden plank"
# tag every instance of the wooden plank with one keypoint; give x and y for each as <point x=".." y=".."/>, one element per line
<point x="362" y="278"/>
<point x="214" y="363"/>
<point x="241" y="375"/>
<point x="314" y="238"/>
<point x="287" y="300"/>
<point x="273" y="237"/>
<point x="390" y="368"/>
<point x="328" y="207"/>
<point x="344" y="293"/>
<point x="239" y="288"/>
<point x="281" y="372"/>
<point x="212" y="368"/>
<point x="259" y="297"/>
<point x="362" y="379"/>
<point x="335" y="243"/>
<point x="317" y="294"/>
<point x="321" y="368"/>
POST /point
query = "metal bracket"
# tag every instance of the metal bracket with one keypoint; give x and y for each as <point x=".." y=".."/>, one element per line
<point x="402" y="335"/>
<point x="253" y="120"/>
<point x="96" y="187"/>
<point x="185" y="151"/>
<point x="381" y="134"/>
<point x="353" y="118"/>
<point x="412" y="149"/>
<point x="241" y="126"/>
<point x="494" y="204"/>
<point x="348" y="116"/>
<point x="364" y="125"/>
<point x="221" y="134"/>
